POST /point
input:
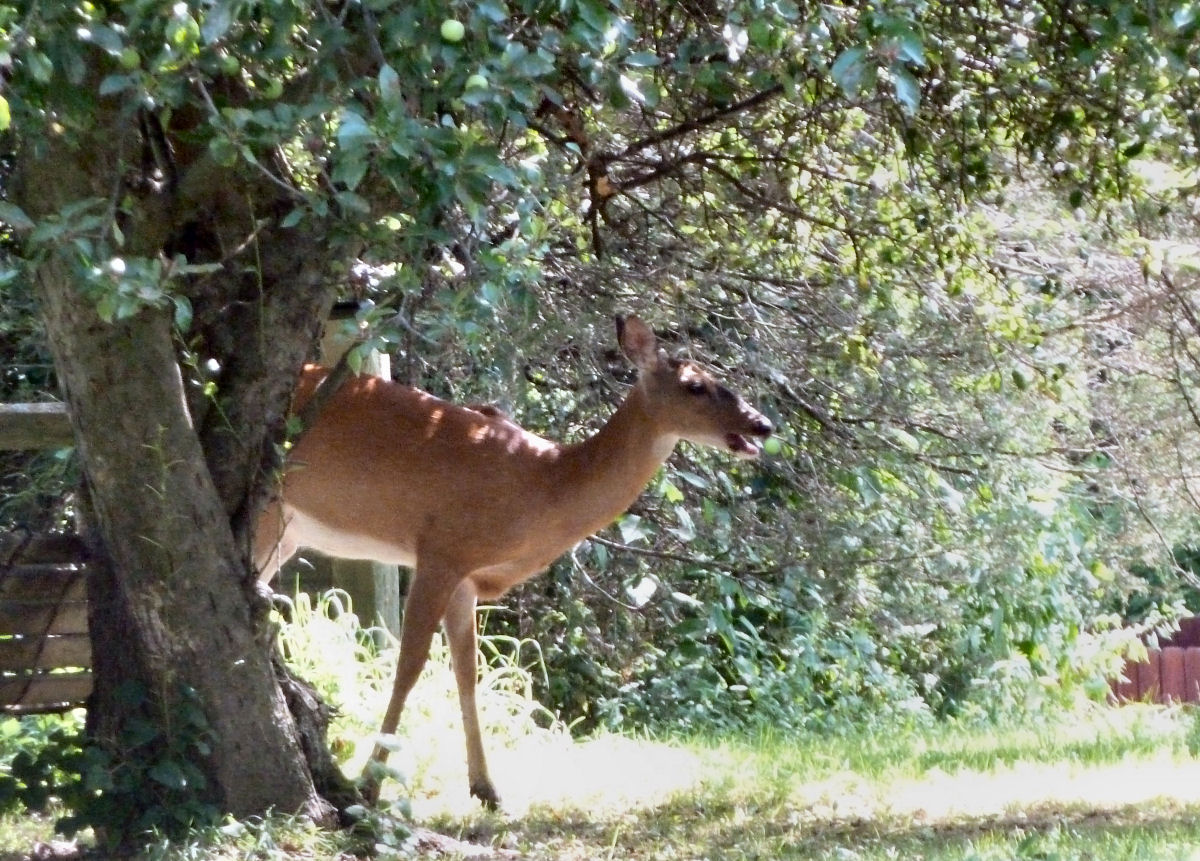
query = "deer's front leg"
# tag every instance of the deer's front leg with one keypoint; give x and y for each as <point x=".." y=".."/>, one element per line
<point x="460" y="632"/>
<point x="428" y="595"/>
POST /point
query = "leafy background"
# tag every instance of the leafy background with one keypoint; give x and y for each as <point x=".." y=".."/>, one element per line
<point x="948" y="248"/>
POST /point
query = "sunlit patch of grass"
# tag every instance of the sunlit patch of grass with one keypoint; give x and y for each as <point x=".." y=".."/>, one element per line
<point x="1091" y="736"/>
<point x="1111" y="783"/>
<point x="20" y="831"/>
<point x="1091" y="782"/>
<point x="352" y="667"/>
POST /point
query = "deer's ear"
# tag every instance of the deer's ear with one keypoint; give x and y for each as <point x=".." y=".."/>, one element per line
<point x="637" y="341"/>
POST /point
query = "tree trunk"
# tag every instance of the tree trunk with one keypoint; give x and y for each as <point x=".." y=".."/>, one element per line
<point x="175" y="478"/>
<point x="175" y="615"/>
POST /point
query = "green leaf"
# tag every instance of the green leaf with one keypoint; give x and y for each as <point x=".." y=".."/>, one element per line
<point x="116" y="83"/>
<point x="349" y="171"/>
<point x="686" y="530"/>
<point x="494" y="12"/>
<point x="631" y="529"/>
<point x="909" y="48"/>
<point x="138" y="731"/>
<point x="389" y="84"/>
<point x="169" y="774"/>
<point x="218" y="20"/>
<point x="14" y="216"/>
<point x="106" y="308"/>
<point x="223" y="151"/>
<point x="350" y="202"/>
<point x="40" y="67"/>
<point x="353" y="129"/>
<point x="694" y="479"/>
<point x="761" y="33"/>
<point x="594" y="14"/>
<point x="849" y="70"/>
<point x="5" y="114"/>
<point x="532" y="64"/>
<point x="104" y="37"/>
<point x="908" y="91"/>
<point x="642" y="59"/>
<point x="183" y="313"/>
<point x="354" y="359"/>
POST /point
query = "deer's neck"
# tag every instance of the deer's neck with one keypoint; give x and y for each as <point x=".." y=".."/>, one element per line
<point x="603" y="475"/>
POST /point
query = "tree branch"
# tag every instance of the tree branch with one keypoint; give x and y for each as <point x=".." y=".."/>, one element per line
<point x="688" y="126"/>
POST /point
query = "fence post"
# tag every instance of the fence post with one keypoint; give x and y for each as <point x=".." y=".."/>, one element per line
<point x="373" y="587"/>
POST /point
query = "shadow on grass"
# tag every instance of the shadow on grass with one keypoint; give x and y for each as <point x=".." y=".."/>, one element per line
<point x="716" y="826"/>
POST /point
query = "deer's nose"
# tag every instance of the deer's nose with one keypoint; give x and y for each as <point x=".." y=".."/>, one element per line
<point x="763" y="426"/>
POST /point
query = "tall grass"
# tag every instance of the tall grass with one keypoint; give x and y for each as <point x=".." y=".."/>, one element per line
<point x="352" y="665"/>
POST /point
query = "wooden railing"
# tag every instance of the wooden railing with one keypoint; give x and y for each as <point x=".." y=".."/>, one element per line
<point x="34" y="426"/>
<point x="45" y="652"/>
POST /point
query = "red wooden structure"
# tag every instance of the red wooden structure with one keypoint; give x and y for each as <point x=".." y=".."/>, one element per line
<point x="1170" y="673"/>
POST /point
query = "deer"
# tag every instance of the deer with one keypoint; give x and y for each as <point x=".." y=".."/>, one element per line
<point x="474" y="504"/>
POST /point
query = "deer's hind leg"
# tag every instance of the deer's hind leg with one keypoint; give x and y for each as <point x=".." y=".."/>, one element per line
<point x="274" y="542"/>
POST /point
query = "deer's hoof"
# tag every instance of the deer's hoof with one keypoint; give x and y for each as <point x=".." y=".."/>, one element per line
<point x="486" y="793"/>
<point x="369" y="788"/>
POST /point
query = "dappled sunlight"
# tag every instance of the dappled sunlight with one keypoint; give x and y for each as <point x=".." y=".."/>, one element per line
<point x="938" y="797"/>
<point x="605" y="776"/>
<point x="1107" y="773"/>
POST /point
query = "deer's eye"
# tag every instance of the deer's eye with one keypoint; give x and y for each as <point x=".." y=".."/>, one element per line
<point x="696" y="387"/>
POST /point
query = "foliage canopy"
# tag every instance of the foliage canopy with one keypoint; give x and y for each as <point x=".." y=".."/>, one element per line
<point x="930" y="235"/>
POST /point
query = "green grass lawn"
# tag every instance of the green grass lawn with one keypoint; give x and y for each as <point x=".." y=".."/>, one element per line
<point x="1100" y="783"/>
<point x="1107" y="783"/>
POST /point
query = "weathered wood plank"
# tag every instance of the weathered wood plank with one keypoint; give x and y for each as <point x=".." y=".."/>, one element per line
<point x="55" y="548"/>
<point x="36" y="617"/>
<point x="19" y="654"/>
<point x="1149" y="683"/>
<point x="43" y="583"/>
<point x="35" y="426"/>
<point x="1125" y="686"/>
<point x="1171" y="672"/>
<point x="44" y="692"/>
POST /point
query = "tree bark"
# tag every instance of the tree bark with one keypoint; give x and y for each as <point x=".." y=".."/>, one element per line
<point x="175" y="480"/>
<point x="175" y="611"/>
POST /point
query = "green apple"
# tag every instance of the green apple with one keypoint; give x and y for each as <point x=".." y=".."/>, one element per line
<point x="477" y="82"/>
<point x="453" y="31"/>
<point x="129" y="59"/>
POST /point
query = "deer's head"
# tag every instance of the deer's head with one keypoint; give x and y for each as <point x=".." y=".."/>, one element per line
<point x="686" y="401"/>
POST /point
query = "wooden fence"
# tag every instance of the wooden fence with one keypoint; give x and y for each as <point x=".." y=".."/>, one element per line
<point x="45" y="652"/>
<point x="1170" y="673"/>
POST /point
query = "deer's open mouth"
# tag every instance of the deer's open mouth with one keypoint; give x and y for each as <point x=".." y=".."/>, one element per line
<point x="741" y="446"/>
